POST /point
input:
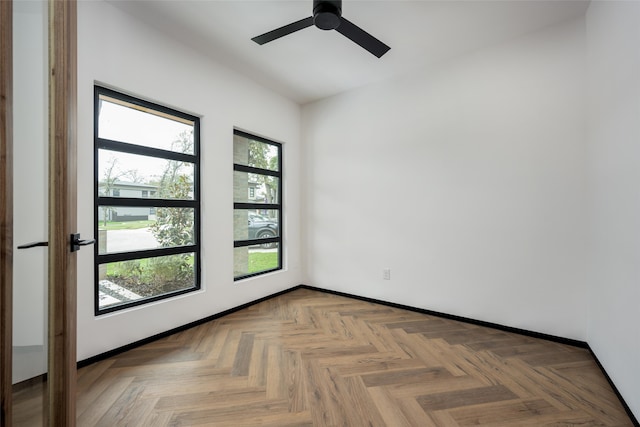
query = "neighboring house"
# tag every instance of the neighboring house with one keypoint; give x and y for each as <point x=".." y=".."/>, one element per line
<point x="256" y="191"/>
<point x="128" y="189"/>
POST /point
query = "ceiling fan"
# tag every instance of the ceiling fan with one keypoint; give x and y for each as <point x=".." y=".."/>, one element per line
<point x="327" y="15"/>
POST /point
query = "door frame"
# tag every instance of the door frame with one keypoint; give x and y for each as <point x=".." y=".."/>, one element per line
<point x="6" y="210"/>
<point x="60" y="409"/>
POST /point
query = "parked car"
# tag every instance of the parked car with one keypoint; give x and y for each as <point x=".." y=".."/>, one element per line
<point x="262" y="227"/>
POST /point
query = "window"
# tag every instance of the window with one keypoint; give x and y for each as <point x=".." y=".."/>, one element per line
<point x="257" y="207"/>
<point x="148" y="247"/>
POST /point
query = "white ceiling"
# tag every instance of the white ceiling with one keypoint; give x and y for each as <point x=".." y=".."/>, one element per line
<point x="312" y="64"/>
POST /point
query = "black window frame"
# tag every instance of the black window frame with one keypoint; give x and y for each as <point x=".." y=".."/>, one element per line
<point x="267" y="206"/>
<point x="151" y="202"/>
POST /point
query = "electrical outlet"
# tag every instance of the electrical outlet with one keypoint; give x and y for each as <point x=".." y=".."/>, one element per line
<point x="386" y="274"/>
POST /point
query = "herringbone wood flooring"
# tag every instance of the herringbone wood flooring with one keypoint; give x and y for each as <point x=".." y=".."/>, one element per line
<point x="309" y="358"/>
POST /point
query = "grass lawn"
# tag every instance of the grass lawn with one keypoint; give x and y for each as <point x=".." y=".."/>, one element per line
<point x="125" y="225"/>
<point x="139" y="264"/>
<point x="260" y="261"/>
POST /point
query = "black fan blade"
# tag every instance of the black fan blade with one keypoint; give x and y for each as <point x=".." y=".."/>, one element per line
<point x="283" y="31"/>
<point x="361" y="37"/>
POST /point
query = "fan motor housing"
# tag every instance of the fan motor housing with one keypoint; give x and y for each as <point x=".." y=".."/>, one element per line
<point x="326" y="14"/>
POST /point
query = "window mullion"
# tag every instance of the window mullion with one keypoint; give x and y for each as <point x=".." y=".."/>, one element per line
<point x="123" y="147"/>
<point x="160" y="203"/>
<point x="256" y="171"/>
<point x="150" y="253"/>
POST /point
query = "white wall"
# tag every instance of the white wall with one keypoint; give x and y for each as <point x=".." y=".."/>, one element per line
<point x="467" y="181"/>
<point x="613" y="30"/>
<point x="116" y="50"/>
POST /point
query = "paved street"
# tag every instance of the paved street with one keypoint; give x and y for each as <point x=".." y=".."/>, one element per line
<point x="128" y="240"/>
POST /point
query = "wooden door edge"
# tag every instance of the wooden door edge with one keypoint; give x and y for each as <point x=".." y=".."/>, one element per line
<point x="6" y="210"/>
<point x="62" y="212"/>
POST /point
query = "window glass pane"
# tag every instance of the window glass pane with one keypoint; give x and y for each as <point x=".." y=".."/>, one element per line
<point x="256" y="224"/>
<point x="128" y="281"/>
<point x="130" y="175"/>
<point x="255" y="188"/>
<point x="134" y="228"/>
<point x="255" y="153"/>
<point x="126" y="122"/>
<point x="250" y="260"/>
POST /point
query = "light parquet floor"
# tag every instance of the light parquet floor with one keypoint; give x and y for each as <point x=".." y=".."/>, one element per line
<point x="309" y="358"/>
